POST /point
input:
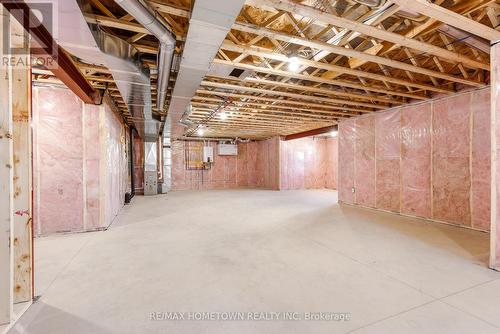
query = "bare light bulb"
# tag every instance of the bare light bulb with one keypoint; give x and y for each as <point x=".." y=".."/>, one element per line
<point x="333" y="133"/>
<point x="200" y="131"/>
<point x="293" y="63"/>
<point x="223" y="115"/>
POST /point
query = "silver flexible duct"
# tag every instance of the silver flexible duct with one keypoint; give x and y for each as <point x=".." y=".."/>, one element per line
<point x="157" y="26"/>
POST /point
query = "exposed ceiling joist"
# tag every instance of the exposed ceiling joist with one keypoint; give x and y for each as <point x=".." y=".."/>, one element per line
<point x="355" y="54"/>
<point x="368" y="30"/>
<point x="451" y="18"/>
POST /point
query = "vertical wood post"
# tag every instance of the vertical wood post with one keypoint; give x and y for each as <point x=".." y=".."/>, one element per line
<point x="495" y="166"/>
<point x="20" y="101"/>
<point x="6" y="185"/>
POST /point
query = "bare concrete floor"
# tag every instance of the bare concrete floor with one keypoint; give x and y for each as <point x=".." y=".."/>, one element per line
<point x="264" y="251"/>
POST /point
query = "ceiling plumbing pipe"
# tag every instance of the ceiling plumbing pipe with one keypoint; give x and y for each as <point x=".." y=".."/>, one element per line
<point x="157" y="26"/>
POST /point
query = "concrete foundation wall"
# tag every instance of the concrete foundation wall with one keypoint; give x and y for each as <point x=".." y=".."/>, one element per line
<point x="430" y="160"/>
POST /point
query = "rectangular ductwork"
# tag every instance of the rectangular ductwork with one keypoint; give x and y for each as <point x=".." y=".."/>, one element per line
<point x="210" y="22"/>
<point x="94" y="46"/>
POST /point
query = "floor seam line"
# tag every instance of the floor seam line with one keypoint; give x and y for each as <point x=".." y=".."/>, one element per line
<point x="65" y="266"/>
<point x="376" y="270"/>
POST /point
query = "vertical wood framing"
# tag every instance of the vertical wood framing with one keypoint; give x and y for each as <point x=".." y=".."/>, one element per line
<point x="21" y="114"/>
<point x="6" y="187"/>
<point x="102" y="165"/>
<point x="495" y="132"/>
<point x="84" y="167"/>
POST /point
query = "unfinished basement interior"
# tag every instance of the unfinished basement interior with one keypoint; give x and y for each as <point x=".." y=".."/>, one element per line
<point x="250" y="166"/>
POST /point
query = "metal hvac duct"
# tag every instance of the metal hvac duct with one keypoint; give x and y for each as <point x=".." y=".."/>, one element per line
<point x="156" y="25"/>
<point x="132" y="79"/>
<point x="209" y="24"/>
<point x="94" y="46"/>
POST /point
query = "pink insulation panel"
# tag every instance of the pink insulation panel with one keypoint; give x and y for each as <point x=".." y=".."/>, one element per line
<point x="451" y="159"/>
<point x="308" y="163"/>
<point x="332" y="158"/>
<point x="416" y="160"/>
<point x="495" y="107"/>
<point x="70" y="166"/>
<point x="347" y="149"/>
<point x="92" y="160"/>
<point x="388" y="153"/>
<point x="481" y="160"/>
<point x="396" y="158"/>
<point x="59" y="152"/>
<point x="115" y="164"/>
<point x="223" y="173"/>
<point x="251" y="164"/>
<point x="256" y="166"/>
<point x="365" y="161"/>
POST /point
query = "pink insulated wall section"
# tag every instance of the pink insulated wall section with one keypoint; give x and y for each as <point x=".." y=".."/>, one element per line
<point x="495" y="149"/>
<point x="429" y="160"/>
<point x="255" y="166"/>
<point x="308" y="163"/>
<point x="80" y="171"/>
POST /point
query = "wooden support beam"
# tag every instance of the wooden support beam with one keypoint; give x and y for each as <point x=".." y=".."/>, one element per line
<point x="353" y="53"/>
<point x="64" y="68"/>
<point x="451" y="18"/>
<point x="164" y="8"/>
<point x="317" y="79"/>
<point x="266" y="53"/>
<point x="311" y="132"/>
<point x="6" y="186"/>
<point x="269" y="112"/>
<point x="320" y="90"/>
<point x="280" y="101"/>
<point x="22" y="225"/>
<point x="120" y="24"/>
<point x="311" y="12"/>
<point x="292" y="95"/>
<point x="116" y="23"/>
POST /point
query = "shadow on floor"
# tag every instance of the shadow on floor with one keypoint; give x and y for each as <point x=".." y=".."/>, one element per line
<point x="43" y="318"/>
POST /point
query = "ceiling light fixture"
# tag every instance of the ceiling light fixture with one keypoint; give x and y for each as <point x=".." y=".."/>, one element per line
<point x="223" y="115"/>
<point x="334" y="133"/>
<point x="293" y="62"/>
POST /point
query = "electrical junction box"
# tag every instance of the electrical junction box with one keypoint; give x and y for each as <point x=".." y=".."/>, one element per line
<point x="150" y="183"/>
<point x="208" y="154"/>
<point x="228" y="149"/>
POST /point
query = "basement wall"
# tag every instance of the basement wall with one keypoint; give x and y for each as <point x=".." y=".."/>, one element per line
<point x="80" y="163"/>
<point x="255" y="166"/>
<point x="309" y="163"/>
<point x="429" y="160"/>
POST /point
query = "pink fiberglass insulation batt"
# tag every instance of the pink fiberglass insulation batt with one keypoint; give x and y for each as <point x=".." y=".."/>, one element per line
<point x="430" y="159"/>
<point x="308" y="163"/>
<point x="78" y="186"/>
